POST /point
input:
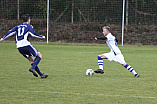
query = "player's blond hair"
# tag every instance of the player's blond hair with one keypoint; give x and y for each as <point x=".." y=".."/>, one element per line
<point x="106" y="27"/>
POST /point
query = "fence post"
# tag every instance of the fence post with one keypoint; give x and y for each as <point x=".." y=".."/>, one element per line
<point x="18" y="10"/>
<point x="127" y="15"/>
<point x="72" y="13"/>
<point x="47" y="21"/>
<point x="123" y="21"/>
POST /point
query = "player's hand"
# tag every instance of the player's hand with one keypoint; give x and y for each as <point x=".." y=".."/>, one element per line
<point x="43" y="37"/>
<point x="1" y="40"/>
<point x="96" y="38"/>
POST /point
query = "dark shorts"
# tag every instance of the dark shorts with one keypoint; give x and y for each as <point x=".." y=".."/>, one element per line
<point x="28" y="51"/>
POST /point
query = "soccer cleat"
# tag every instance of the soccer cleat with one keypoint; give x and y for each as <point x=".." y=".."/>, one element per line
<point x="99" y="71"/>
<point x="44" y="76"/>
<point x="33" y="71"/>
<point x="137" y="75"/>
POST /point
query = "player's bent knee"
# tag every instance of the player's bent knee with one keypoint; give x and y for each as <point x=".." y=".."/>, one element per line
<point x="39" y="54"/>
<point x="102" y="56"/>
<point x="124" y="64"/>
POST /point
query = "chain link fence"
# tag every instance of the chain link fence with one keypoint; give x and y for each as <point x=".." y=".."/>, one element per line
<point x="82" y="20"/>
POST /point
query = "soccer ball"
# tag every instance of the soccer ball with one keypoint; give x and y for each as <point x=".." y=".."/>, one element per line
<point x="89" y="72"/>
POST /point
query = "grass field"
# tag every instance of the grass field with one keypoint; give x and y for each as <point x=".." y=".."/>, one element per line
<point x="67" y="82"/>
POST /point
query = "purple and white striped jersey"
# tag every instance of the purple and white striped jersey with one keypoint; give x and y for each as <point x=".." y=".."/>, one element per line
<point x="23" y="31"/>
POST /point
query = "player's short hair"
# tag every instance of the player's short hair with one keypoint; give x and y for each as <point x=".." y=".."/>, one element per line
<point x="106" y="27"/>
<point x="25" y="17"/>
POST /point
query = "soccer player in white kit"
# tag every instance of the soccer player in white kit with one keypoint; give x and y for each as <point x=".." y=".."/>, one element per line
<point x="115" y="53"/>
<point x="23" y="31"/>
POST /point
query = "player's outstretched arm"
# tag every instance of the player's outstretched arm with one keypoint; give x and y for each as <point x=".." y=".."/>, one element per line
<point x="9" y="33"/>
<point x="34" y="34"/>
<point x="102" y="38"/>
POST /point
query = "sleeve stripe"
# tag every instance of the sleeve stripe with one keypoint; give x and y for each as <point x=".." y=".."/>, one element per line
<point x="35" y="35"/>
<point x="9" y="35"/>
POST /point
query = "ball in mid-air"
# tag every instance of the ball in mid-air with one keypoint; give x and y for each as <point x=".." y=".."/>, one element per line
<point x="89" y="72"/>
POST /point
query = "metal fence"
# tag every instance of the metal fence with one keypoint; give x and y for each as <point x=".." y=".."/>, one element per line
<point x="79" y="20"/>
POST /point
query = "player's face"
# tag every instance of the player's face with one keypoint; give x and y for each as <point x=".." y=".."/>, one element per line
<point x="105" y="31"/>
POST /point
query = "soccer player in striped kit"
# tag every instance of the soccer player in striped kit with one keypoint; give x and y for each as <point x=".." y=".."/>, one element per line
<point x="115" y="53"/>
<point x="23" y="31"/>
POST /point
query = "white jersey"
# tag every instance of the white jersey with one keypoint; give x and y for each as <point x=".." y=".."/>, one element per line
<point x="111" y="42"/>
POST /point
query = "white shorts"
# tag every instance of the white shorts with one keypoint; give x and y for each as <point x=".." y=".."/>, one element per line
<point x="119" y="58"/>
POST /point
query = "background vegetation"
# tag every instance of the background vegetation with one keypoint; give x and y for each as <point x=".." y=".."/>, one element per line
<point x="81" y="20"/>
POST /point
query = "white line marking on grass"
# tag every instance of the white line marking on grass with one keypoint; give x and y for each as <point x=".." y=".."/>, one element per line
<point x="137" y="50"/>
<point x="92" y="52"/>
<point x="66" y="93"/>
<point x="121" y="50"/>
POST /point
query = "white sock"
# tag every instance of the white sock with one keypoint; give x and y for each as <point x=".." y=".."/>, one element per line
<point x="100" y="63"/>
<point x="134" y="72"/>
<point x="130" y="69"/>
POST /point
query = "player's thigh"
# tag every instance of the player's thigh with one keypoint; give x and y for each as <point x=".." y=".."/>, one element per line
<point x="33" y="51"/>
<point x="102" y="56"/>
<point x="108" y="56"/>
<point x="28" y="51"/>
<point x="24" y="52"/>
<point x="120" y="59"/>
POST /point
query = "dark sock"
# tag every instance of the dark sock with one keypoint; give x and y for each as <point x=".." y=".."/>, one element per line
<point x="37" y="70"/>
<point x="36" y="62"/>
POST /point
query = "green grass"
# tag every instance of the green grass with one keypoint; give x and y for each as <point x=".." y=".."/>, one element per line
<point x="67" y="83"/>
